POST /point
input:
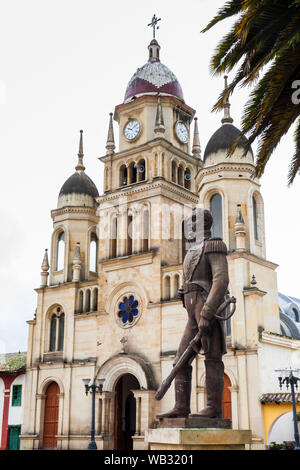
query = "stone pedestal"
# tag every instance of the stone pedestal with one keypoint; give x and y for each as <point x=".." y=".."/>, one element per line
<point x="172" y="438"/>
<point x="194" y="421"/>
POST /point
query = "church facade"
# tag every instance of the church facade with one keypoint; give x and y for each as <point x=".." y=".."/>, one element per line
<point x="107" y="306"/>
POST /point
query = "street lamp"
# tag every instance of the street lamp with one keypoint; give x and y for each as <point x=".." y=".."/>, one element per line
<point x="286" y="376"/>
<point x="94" y="388"/>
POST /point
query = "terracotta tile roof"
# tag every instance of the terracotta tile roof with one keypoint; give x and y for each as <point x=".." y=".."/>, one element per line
<point x="12" y="362"/>
<point x="278" y="397"/>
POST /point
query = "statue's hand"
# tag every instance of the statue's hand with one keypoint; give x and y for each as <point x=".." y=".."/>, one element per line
<point x="204" y="326"/>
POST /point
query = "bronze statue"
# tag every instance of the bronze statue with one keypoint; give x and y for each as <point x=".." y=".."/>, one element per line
<point x="205" y="273"/>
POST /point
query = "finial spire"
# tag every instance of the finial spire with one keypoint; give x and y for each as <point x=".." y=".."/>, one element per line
<point x="196" y="150"/>
<point x="153" y="24"/>
<point x="80" y="166"/>
<point x="227" y="118"/>
<point x="110" y="143"/>
<point x="159" y="121"/>
<point x="45" y="269"/>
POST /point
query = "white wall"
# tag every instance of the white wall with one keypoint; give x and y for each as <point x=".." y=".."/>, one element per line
<point x="282" y="429"/>
<point x="1" y="405"/>
<point x="272" y="357"/>
<point x="15" y="414"/>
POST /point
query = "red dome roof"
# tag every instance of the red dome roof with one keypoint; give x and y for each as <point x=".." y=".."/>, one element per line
<point x="154" y="77"/>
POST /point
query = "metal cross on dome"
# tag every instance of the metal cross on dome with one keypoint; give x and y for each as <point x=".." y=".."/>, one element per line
<point x="153" y="23"/>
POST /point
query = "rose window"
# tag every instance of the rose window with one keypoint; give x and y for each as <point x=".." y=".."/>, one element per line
<point x="128" y="310"/>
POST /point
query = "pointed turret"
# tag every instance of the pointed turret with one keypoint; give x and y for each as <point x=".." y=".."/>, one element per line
<point x="227" y="118"/>
<point x="80" y="166"/>
<point x="159" y="128"/>
<point x="110" y="143"/>
<point x="45" y="269"/>
<point x="196" y="150"/>
<point x="76" y="264"/>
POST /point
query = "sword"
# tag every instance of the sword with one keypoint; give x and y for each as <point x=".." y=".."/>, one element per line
<point x="193" y="349"/>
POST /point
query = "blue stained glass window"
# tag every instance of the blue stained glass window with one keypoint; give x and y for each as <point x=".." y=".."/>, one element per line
<point x="128" y="310"/>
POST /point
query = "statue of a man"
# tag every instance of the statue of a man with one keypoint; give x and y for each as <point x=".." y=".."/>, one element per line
<point x="205" y="274"/>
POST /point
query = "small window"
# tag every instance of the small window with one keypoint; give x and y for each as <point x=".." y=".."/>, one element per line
<point x="255" y="218"/>
<point x="216" y="212"/>
<point x="93" y="252"/>
<point x="57" y="331"/>
<point x="60" y="255"/>
<point x="16" y="395"/>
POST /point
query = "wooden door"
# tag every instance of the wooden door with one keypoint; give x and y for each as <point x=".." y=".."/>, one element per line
<point x="226" y="404"/>
<point x="51" y="417"/>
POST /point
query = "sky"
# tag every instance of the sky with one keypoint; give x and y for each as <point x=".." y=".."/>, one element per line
<point x="65" y="65"/>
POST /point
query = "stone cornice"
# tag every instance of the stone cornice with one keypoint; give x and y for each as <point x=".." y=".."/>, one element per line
<point x="253" y="291"/>
<point x="228" y="167"/>
<point x="70" y="212"/>
<point x="250" y="257"/>
<point x="157" y="182"/>
<point x="158" y="141"/>
<point x="64" y="285"/>
<point x="128" y="261"/>
<point x="275" y="339"/>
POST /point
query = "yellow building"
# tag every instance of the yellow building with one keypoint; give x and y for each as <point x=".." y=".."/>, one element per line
<point x="107" y="305"/>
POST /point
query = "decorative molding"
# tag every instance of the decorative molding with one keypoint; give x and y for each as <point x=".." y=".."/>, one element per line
<point x="275" y="339"/>
<point x="73" y="210"/>
<point x="145" y="186"/>
<point x="250" y="257"/>
<point x="128" y="261"/>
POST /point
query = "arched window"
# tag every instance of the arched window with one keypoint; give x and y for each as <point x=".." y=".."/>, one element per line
<point x="80" y="302"/>
<point x="95" y="300"/>
<point x="183" y="241"/>
<point x="180" y="175"/>
<point x="187" y="178"/>
<point x="61" y="332"/>
<point x="176" y="285"/>
<point x="60" y="253"/>
<point x="166" y="288"/>
<point x="145" y="241"/>
<point x="93" y="252"/>
<point x="255" y="221"/>
<point x="57" y="331"/>
<point x="141" y="166"/>
<point x="113" y="239"/>
<point x="132" y="173"/>
<point x="216" y="212"/>
<point x="87" y="307"/>
<point x="106" y="177"/>
<point x="53" y="333"/>
<point x="129" y="234"/>
<point x="174" y="168"/>
<point x="123" y="175"/>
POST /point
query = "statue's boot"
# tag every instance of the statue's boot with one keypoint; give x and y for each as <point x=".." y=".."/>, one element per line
<point x="183" y="384"/>
<point x="214" y="389"/>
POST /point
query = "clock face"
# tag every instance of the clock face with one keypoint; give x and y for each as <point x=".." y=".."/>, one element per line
<point x="182" y="132"/>
<point x="132" y="129"/>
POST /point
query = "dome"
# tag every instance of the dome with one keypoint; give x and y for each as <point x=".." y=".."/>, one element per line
<point x="154" y="77"/>
<point x="78" y="190"/>
<point x="222" y="140"/>
<point x="79" y="183"/>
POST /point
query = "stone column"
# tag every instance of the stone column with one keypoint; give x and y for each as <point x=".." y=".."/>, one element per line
<point x="234" y="406"/>
<point x="145" y="416"/>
